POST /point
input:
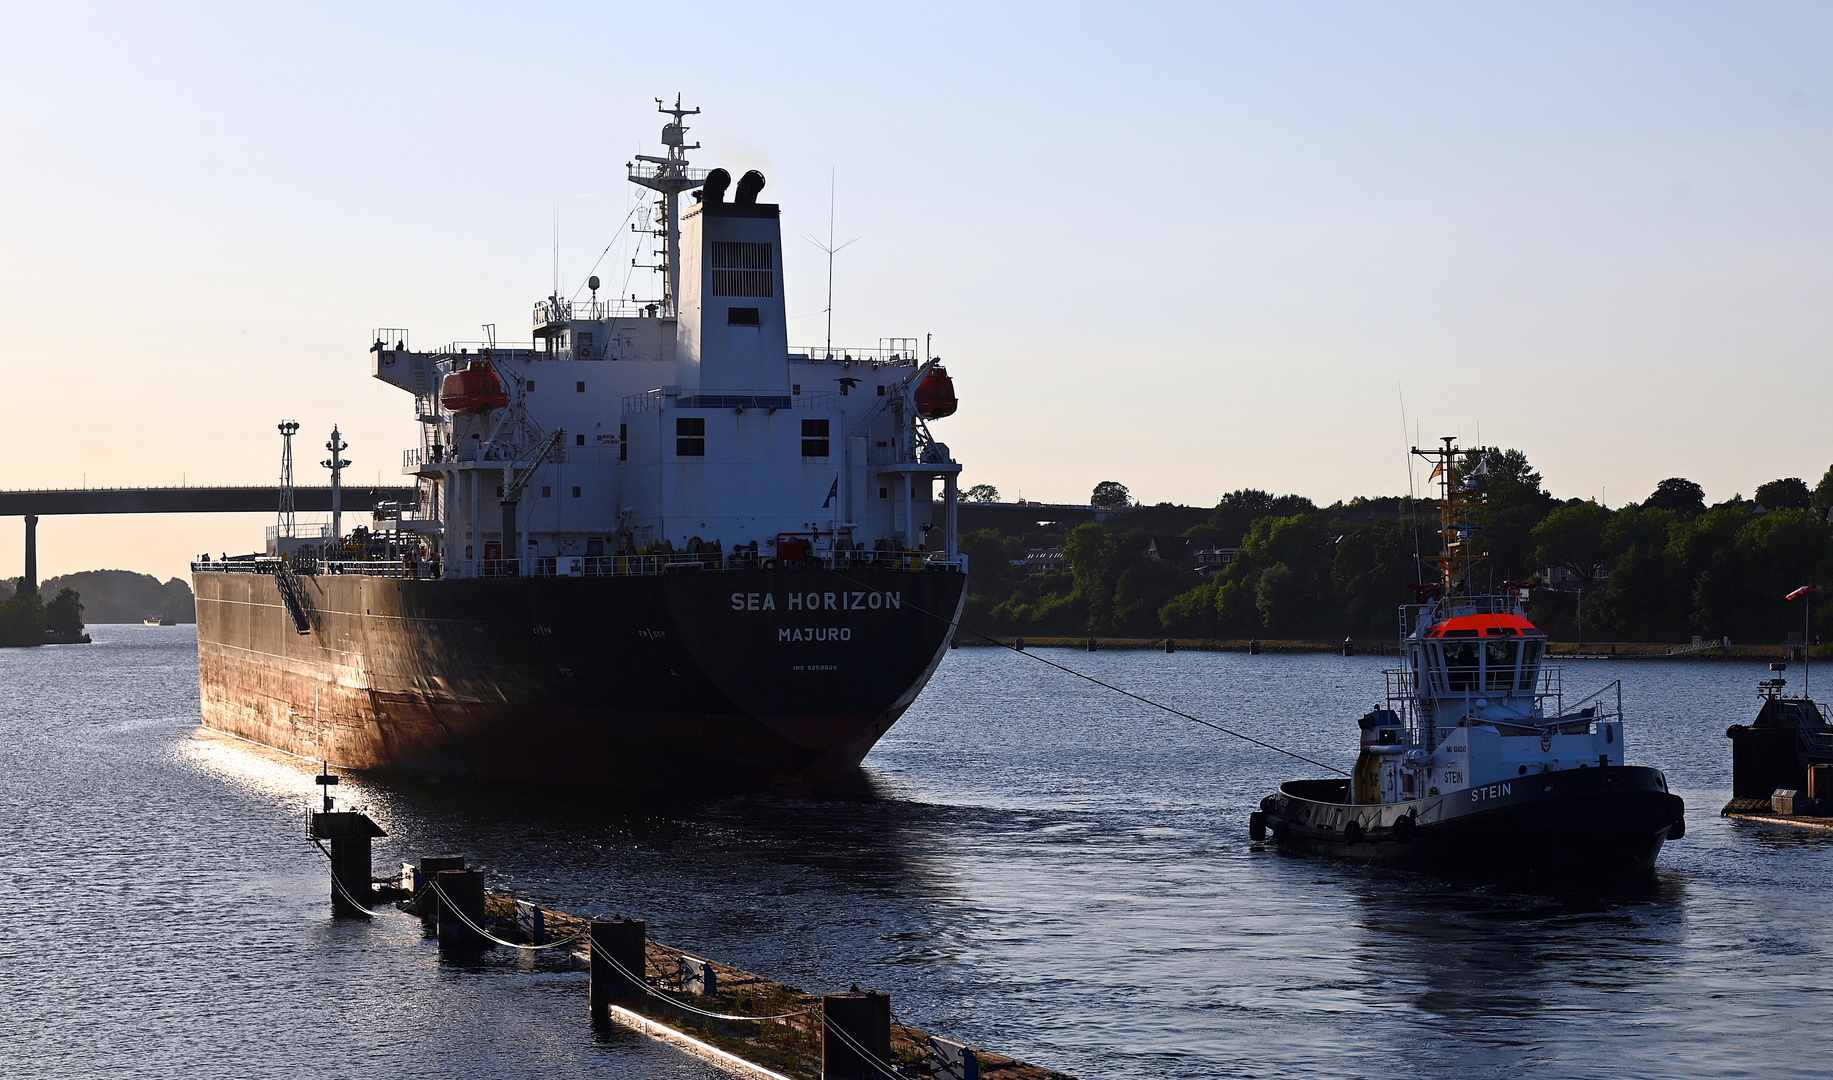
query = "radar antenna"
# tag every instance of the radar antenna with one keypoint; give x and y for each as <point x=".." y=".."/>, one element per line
<point x="669" y="176"/>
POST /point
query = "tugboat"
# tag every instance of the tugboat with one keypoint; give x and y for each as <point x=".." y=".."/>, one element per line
<point x="1777" y="760"/>
<point x="1476" y="763"/>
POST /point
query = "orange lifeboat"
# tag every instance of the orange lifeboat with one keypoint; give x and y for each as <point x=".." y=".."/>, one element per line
<point x="474" y="389"/>
<point x="935" y="396"/>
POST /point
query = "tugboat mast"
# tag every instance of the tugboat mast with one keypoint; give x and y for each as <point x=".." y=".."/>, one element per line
<point x="670" y="176"/>
<point x="1459" y="558"/>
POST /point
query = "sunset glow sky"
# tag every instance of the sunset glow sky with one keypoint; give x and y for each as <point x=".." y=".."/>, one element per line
<point x="1189" y="248"/>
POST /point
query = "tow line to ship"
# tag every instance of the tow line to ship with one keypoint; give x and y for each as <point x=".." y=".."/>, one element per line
<point x="991" y="640"/>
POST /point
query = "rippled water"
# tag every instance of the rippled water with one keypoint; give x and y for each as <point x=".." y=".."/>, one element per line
<point x="1039" y="867"/>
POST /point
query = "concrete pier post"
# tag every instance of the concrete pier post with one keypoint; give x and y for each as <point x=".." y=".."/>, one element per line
<point x="856" y="1035"/>
<point x="423" y="884"/>
<point x="349" y="835"/>
<point x="625" y="942"/>
<point x="1091" y="644"/>
<point x="350" y="866"/>
<point x="30" y="584"/>
<point x="464" y="890"/>
<point x="1170" y="645"/>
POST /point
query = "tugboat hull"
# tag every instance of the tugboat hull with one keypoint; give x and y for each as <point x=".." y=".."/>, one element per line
<point x="1596" y="822"/>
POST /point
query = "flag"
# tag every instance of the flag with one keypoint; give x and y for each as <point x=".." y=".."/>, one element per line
<point x="1437" y="471"/>
<point x="1803" y="591"/>
<point x="833" y="492"/>
<point x="1482" y="468"/>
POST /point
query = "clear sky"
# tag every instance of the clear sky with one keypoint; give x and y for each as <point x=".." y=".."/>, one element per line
<point x="1189" y="248"/>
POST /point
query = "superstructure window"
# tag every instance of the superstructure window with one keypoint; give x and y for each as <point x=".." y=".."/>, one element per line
<point x="741" y="316"/>
<point x="743" y="269"/>
<point x="579" y="440"/>
<point x="1530" y="665"/>
<point x="1499" y="665"/>
<point x="1460" y="666"/>
<point x="814" y="438"/>
<point x="623" y="442"/>
<point x="690" y="436"/>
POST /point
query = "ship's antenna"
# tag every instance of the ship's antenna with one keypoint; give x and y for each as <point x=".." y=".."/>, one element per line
<point x="669" y="176"/>
<point x="287" y="517"/>
<point x="337" y="463"/>
<point x="831" y="252"/>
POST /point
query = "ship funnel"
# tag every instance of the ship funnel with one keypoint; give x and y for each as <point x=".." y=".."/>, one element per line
<point x="748" y="186"/>
<point x="715" y="186"/>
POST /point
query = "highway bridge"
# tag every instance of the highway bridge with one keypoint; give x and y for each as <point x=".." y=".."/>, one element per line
<point x="32" y="504"/>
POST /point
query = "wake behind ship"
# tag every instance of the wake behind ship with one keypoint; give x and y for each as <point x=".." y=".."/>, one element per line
<point x="655" y="548"/>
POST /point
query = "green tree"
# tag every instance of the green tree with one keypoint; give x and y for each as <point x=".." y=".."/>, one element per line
<point x="1790" y="493"/>
<point x="22" y="620"/>
<point x="1823" y="491"/>
<point x="1229" y="521"/>
<point x="982" y="493"/>
<point x="1141" y="590"/>
<point x="64" y="615"/>
<point x="1513" y="503"/>
<point x="1572" y="537"/>
<point x="1110" y="495"/>
<point x="1709" y="557"/>
<point x="1679" y="495"/>
<point x="1646" y="595"/>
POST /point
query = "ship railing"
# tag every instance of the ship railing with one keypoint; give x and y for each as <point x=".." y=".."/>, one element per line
<point x="1605" y="703"/>
<point x="549" y="312"/>
<point x="691" y="562"/>
<point x="649" y="171"/>
<point x="898" y="351"/>
<point x="651" y="400"/>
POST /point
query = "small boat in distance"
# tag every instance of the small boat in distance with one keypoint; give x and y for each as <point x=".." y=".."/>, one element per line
<point x="160" y="620"/>
<point x="1782" y="762"/>
<point x="1477" y="763"/>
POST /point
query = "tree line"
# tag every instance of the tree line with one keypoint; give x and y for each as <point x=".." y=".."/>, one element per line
<point x="26" y="619"/>
<point x="1662" y="569"/>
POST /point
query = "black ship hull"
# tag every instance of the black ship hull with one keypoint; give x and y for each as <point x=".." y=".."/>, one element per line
<point x="679" y="682"/>
<point x="1574" y="823"/>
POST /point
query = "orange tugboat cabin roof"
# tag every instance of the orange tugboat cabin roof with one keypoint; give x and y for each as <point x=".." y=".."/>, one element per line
<point x="1467" y="626"/>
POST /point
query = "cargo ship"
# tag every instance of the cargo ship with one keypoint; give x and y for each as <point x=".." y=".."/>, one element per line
<point x="654" y="548"/>
<point x="1478" y="763"/>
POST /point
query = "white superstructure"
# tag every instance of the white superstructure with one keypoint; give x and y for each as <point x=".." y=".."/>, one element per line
<point x="630" y="436"/>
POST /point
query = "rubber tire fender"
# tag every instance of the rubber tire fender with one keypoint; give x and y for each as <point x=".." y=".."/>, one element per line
<point x="1404" y="826"/>
<point x="1257" y="826"/>
<point x="1352" y="831"/>
<point x="1679" y="828"/>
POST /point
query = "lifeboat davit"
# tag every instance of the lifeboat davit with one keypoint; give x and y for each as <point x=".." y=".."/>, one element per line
<point x="935" y="396"/>
<point x="473" y="389"/>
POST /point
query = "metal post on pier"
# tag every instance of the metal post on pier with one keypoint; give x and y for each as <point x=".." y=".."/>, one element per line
<point x="616" y="943"/>
<point x="463" y="899"/>
<point x="856" y="1035"/>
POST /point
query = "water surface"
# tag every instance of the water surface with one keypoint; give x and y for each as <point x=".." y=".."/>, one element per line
<point x="1035" y="865"/>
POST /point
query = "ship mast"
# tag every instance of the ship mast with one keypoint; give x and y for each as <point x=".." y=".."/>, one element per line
<point x="1458" y="559"/>
<point x="670" y="176"/>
